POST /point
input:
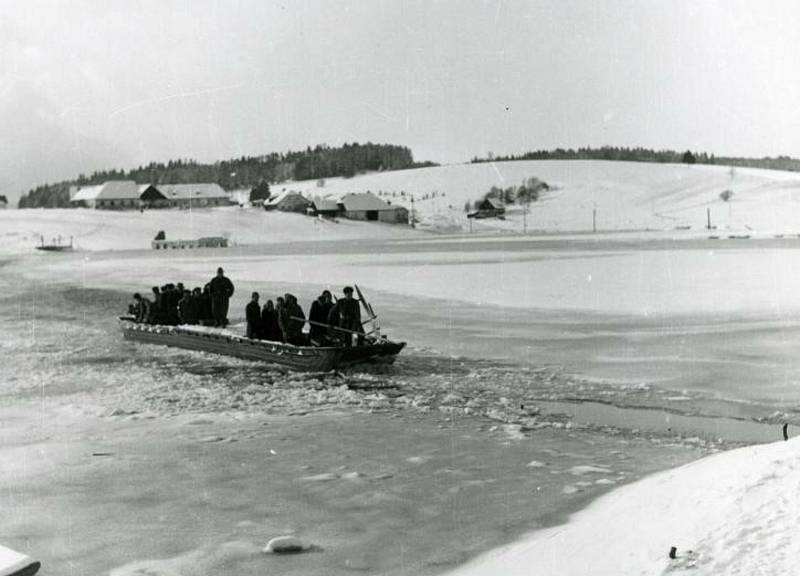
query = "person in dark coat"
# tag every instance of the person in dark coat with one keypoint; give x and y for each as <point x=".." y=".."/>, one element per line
<point x="252" y="313"/>
<point x="186" y="309"/>
<point x="346" y="314"/>
<point x="221" y="292"/>
<point x="320" y="309"/>
<point x="204" y="306"/>
<point x="155" y="308"/>
<point x="142" y="308"/>
<point x="291" y="320"/>
<point x="269" y="323"/>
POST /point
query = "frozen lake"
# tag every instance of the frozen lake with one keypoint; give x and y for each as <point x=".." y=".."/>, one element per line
<point x="500" y="417"/>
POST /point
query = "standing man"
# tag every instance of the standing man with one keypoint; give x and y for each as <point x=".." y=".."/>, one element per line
<point x="320" y="309"/>
<point x="346" y="314"/>
<point x="221" y="292"/>
<point x="252" y="313"/>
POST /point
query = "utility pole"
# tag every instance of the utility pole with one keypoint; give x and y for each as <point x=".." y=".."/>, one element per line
<point x="412" y="211"/>
<point x="525" y="219"/>
<point x="708" y="218"/>
<point x="594" y="219"/>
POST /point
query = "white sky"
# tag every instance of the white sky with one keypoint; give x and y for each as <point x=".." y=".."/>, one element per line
<point x="115" y="83"/>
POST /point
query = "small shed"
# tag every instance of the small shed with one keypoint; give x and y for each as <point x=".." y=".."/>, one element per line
<point x="489" y="208"/>
<point x="288" y="201"/>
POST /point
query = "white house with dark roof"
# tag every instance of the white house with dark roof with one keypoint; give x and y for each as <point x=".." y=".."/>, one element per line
<point x="111" y="195"/>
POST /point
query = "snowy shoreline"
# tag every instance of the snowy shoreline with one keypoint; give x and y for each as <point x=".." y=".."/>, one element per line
<point x="724" y="514"/>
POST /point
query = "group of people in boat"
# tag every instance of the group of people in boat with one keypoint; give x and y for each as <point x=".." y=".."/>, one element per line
<point x="173" y="304"/>
<point x="331" y="322"/>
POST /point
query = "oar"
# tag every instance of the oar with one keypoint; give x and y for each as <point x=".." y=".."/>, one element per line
<point x="367" y="305"/>
<point x="322" y="324"/>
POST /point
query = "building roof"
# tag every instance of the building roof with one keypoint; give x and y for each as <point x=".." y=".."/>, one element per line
<point x="494" y="203"/>
<point x="276" y="200"/>
<point x="111" y="190"/>
<point x="202" y="191"/>
<point x="357" y="202"/>
<point x="326" y="205"/>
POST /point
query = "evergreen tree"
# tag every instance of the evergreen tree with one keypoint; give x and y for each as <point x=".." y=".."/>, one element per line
<point x="260" y="191"/>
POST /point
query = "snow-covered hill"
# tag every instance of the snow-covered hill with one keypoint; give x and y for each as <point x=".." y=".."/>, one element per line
<point x="626" y="195"/>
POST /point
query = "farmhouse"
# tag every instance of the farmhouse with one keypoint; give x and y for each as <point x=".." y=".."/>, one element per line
<point x="325" y="207"/>
<point x="111" y="195"/>
<point x="194" y="195"/>
<point x="367" y="206"/>
<point x="288" y="201"/>
<point x="489" y="208"/>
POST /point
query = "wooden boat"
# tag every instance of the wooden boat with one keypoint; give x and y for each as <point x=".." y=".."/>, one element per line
<point x="55" y="245"/>
<point x="303" y="358"/>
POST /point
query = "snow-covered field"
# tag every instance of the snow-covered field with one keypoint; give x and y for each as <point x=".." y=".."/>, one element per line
<point x="626" y="195"/>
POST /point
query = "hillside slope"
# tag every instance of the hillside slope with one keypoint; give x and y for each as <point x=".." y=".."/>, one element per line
<point x="626" y="195"/>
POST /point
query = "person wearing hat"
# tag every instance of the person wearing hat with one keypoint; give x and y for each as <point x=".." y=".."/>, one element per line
<point x="346" y="314"/>
<point x="221" y="292"/>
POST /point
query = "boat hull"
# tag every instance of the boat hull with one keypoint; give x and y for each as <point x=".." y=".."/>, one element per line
<point x="301" y="358"/>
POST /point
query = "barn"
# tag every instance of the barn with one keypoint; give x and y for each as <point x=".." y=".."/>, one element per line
<point x="151" y="197"/>
<point x="489" y="208"/>
<point x="202" y="195"/>
<point x="367" y="206"/>
<point x="111" y="195"/>
<point x="288" y="201"/>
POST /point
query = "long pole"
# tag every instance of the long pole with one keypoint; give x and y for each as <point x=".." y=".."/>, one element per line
<point x="594" y="219"/>
<point x="708" y="217"/>
<point x="322" y="324"/>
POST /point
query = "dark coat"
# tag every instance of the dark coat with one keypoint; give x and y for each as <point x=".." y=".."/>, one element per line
<point x="252" y="313"/>
<point x="292" y="329"/>
<point x="269" y="325"/>
<point x="319" y="313"/>
<point x="221" y="287"/>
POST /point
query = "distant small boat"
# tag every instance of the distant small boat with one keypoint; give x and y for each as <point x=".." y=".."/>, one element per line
<point x="16" y="564"/>
<point x="302" y="358"/>
<point x="55" y="246"/>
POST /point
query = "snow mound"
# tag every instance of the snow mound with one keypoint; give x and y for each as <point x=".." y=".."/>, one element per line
<point x="725" y="514"/>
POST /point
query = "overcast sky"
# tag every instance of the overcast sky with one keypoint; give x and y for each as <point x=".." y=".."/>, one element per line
<point x="87" y="85"/>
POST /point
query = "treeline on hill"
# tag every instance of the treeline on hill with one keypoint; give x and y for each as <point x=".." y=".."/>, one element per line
<point x="648" y="155"/>
<point x="245" y="172"/>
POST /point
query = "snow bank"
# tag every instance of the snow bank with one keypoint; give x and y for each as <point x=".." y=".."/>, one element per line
<point x="725" y="514"/>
